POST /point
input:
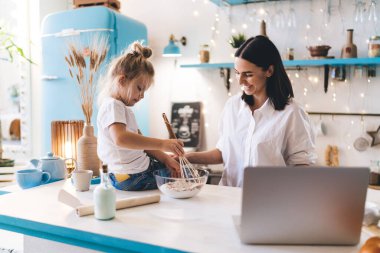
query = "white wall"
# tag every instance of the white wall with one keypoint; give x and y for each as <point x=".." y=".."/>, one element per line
<point x="174" y="84"/>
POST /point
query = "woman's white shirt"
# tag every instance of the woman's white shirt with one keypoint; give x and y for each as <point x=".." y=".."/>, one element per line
<point x="266" y="137"/>
<point x="119" y="159"/>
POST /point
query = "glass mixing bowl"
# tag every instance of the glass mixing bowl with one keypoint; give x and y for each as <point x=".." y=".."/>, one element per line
<point x="181" y="188"/>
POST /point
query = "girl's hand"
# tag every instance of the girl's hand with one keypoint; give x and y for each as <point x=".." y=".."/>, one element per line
<point x="174" y="146"/>
<point x="173" y="165"/>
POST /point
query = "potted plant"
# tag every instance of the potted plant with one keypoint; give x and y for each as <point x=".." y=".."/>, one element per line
<point x="237" y="40"/>
<point x="7" y="43"/>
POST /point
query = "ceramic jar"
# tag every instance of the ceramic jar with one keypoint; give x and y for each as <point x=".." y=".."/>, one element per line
<point x="204" y="54"/>
<point x="374" y="46"/>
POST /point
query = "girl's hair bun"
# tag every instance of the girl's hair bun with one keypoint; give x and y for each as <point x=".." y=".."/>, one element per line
<point x="138" y="49"/>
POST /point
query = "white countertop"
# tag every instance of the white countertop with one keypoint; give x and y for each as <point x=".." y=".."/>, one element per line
<point x="203" y="223"/>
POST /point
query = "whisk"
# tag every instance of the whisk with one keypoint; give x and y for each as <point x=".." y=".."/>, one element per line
<point x="186" y="168"/>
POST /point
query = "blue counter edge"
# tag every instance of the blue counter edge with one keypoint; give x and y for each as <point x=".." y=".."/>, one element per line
<point x="3" y="192"/>
<point x="78" y="238"/>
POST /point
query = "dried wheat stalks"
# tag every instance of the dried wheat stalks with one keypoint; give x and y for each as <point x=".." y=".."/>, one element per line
<point x="84" y="63"/>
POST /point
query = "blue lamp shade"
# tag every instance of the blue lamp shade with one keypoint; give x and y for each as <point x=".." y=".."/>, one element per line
<point x="171" y="50"/>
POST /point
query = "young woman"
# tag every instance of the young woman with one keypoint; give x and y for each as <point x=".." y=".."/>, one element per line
<point x="131" y="157"/>
<point x="264" y="125"/>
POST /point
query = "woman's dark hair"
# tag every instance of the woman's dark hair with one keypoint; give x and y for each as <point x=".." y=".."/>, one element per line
<point x="263" y="53"/>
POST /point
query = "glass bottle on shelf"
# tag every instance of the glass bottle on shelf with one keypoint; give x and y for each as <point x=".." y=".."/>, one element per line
<point x="104" y="197"/>
<point x="204" y="53"/>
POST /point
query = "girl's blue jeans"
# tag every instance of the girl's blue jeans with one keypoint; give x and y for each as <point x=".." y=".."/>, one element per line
<point x="143" y="180"/>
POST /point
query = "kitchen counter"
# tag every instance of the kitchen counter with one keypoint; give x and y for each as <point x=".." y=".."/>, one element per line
<point x="203" y="223"/>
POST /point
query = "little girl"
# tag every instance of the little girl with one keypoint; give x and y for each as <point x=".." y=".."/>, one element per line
<point x="131" y="157"/>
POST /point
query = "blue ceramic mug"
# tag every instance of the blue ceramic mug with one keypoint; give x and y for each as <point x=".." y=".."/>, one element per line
<point x="31" y="178"/>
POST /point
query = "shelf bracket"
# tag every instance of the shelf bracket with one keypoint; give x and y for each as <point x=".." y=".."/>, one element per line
<point x="326" y="77"/>
<point x="225" y="73"/>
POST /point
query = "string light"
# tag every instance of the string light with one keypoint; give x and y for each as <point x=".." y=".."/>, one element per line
<point x="214" y="29"/>
<point x="362" y="95"/>
<point x="262" y="12"/>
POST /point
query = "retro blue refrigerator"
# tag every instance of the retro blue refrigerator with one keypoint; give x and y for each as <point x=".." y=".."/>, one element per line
<point x="60" y="94"/>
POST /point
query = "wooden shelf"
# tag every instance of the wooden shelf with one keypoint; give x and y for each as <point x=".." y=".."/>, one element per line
<point x="298" y="63"/>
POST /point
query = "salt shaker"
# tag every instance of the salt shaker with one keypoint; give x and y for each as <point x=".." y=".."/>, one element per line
<point x="104" y="197"/>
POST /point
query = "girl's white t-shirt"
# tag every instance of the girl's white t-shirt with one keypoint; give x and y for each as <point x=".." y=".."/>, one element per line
<point x="118" y="159"/>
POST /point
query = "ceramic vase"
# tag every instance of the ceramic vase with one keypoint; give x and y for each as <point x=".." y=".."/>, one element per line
<point x="87" y="150"/>
<point x="263" y="28"/>
<point x="349" y="50"/>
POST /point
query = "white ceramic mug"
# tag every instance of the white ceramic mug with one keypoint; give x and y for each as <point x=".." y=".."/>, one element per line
<point x="81" y="179"/>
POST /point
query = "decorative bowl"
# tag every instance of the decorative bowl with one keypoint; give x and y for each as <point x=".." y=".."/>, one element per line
<point x="181" y="188"/>
<point x="319" y="51"/>
<point x="7" y="163"/>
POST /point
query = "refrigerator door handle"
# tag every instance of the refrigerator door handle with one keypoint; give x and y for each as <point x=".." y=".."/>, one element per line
<point x="49" y="78"/>
<point x="73" y="32"/>
<point x="68" y="32"/>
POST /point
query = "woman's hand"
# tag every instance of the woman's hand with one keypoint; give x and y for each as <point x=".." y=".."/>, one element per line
<point x="174" y="146"/>
<point x="173" y="165"/>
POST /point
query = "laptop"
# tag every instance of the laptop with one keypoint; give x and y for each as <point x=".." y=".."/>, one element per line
<point x="303" y="205"/>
